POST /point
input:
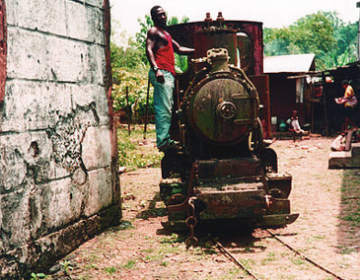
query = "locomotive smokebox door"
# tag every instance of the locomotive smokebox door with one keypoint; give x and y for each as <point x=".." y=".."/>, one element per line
<point x="222" y="109"/>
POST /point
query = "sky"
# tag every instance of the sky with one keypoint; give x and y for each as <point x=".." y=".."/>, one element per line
<point x="273" y="13"/>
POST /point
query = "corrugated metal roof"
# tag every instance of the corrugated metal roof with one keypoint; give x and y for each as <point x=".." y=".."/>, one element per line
<point x="294" y="63"/>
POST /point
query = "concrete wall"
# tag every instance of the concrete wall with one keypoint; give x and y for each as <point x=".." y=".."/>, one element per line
<point x="58" y="161"/>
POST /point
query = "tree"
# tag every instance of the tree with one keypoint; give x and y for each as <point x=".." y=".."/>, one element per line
<point x="316" y="33"/>
<point x="125" y="57"/>
<point x="323" y="34"/>
<point x="346" y="39"/>
<point x="131" y="90"/>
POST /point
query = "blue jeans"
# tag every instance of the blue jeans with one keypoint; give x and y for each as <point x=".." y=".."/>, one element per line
<point x="163" y="103"/>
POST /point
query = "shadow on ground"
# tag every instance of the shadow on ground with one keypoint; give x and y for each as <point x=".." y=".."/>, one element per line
<point x="153" y="210"/>
<point x="349" y="226"/>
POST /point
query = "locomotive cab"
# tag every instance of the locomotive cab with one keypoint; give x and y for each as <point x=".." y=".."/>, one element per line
<point x="223" y="171"/>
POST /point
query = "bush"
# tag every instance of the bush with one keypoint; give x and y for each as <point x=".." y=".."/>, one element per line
<point x="136" y="85"/>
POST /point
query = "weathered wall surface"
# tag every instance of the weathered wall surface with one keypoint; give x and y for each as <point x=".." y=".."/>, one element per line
<point x="58" y="174"/>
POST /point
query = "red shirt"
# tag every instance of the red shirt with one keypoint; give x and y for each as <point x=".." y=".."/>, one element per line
<point x="164" y="56"/>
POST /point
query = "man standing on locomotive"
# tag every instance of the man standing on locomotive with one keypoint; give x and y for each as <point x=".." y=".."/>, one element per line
<point x="160" y="49"/>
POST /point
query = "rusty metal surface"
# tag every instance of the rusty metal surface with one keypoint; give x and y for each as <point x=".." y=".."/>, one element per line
<point x="225" y="168"/>
<point x="232" y="204"/>
<point x="221" y="104"/>
<point x="183" y="33"/>
<point x="241" y="204"/>
<point x="213" y="118"/>
<point x="262" y="85"/>
<point x="281" y="182"/>
<point x="204" y="41"/>
<point x="3" y="49"/>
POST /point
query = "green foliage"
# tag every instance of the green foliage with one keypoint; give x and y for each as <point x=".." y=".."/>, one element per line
<point x="141" y="36"/>
<point x="136" y="85"/>
<point x="350" y="199"/>
<point x="66" y="267"/>
<point x="128" y="58"/>
<point x="110" y="270"/>
<point x="324" y="34"/>
<point x="130" y="264"/>
<point x="346" y="38"/>
<point x="134" y="156"/>
<point x="181" y="63"/>
<point x="37" y="276"/>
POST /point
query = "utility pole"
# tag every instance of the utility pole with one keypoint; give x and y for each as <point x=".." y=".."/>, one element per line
<point x="358" y="34"/>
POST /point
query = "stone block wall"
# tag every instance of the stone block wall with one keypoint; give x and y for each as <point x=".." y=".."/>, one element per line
<point x="58" y="161"/>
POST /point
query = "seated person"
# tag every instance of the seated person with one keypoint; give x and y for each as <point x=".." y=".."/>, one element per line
<point x="295" y="125"/>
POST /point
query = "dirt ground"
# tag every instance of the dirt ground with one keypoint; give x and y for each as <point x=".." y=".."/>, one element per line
<point x="327" y="230"/>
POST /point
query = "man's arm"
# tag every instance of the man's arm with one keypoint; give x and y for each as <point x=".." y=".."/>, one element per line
<point x="182" y="50"/>
<point x="150" y="46"/>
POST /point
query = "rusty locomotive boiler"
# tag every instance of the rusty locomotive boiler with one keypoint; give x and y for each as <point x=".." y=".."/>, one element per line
<point x="224" y="170"/>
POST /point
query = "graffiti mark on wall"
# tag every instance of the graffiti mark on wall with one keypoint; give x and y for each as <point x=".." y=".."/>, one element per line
<point x="11" y="172"/>
<point x="67" y="147"/>
<point x="67" y="138"/>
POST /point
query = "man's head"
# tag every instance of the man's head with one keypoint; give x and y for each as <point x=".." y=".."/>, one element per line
<point x="158" y="16"/>
<point x="345" y="83"/>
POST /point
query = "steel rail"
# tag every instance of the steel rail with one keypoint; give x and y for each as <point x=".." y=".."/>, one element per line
<point x="229" y="255"/>
<point x="242" y="266"/>
<point x="304" y="257"/>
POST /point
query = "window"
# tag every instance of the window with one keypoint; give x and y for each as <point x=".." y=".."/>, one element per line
<point x="244" y="48"/>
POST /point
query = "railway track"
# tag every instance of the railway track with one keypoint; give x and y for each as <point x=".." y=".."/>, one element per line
<point x="317" y="270"/>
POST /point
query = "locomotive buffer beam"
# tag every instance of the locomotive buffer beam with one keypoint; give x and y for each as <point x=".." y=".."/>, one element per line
<point x="234" y="189"/>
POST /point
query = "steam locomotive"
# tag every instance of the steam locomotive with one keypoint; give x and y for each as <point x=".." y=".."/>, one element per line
<point x="224" y="170"/>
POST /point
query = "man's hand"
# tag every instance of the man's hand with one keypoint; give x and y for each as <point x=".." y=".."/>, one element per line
<point x="159" y="77"/>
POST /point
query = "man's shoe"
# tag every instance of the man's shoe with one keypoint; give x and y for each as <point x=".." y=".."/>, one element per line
<point x="169" y="145"/>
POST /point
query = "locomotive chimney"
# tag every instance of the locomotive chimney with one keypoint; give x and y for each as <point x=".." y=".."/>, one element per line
<point x="208" y="20"/>
<point x="220" y="19"/>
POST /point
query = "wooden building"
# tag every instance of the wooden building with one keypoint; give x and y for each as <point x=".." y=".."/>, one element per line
<point x="289" y="88"/>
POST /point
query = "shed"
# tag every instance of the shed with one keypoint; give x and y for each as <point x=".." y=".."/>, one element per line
<point x="288" y="87"/>
<point x="332" y="115"/>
